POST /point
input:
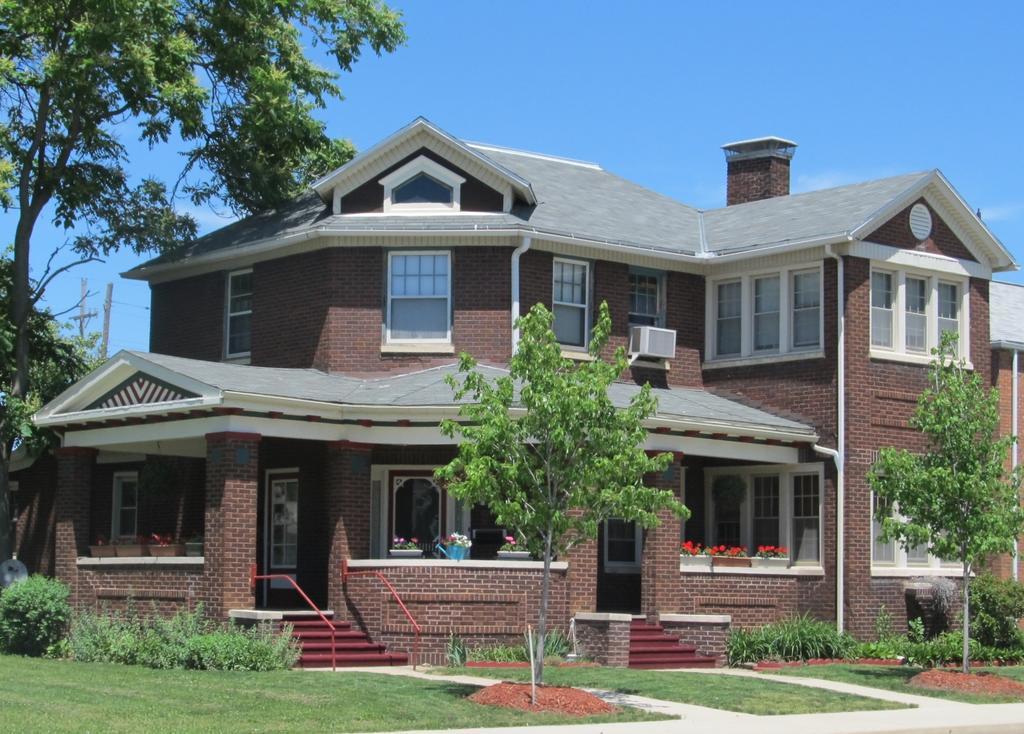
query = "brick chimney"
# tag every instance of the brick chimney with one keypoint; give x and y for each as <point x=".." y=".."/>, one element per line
<point x="757" y="169"/>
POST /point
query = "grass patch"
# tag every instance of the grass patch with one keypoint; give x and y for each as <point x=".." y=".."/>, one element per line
<point x="60" y="696"/>
<point x="729" y="693"/>
<point x="894" y="678"/>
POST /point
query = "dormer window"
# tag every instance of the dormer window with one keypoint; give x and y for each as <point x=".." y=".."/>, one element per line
<point x="422" y="185"/>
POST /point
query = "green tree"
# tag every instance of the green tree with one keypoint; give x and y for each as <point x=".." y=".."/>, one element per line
<point x="546" y="450"/>
<point x="957" y="498"/>
<point x="230" y="82"/>
<point x="57" y="362"/>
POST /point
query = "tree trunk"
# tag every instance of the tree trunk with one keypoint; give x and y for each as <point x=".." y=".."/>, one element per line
<point x="542" y="616"/>
<point x="965" y="593"/>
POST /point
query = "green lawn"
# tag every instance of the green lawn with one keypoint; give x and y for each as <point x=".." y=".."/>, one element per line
<point x="730" y="693"/>
<point x="59" y="696"/>
<point x="894" y="678"/>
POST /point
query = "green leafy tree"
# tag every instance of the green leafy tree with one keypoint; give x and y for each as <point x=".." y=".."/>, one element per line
<point x="230" y="82"/>
<point x="957" y="498"/>
<point x="546" y="450"/>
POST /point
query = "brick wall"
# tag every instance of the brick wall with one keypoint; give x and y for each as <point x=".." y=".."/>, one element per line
<point x="660" y="564"/>
<point x="896" y="233"/>
<point x="347" y="490"/>
<point x="35" y="509"/>
<point x="604" y="638"/>
<point x="708" y="633"/>
<point x="74" y="480"/>
<point x="484" y="606"/>
<point x="187" y="317"/>
<point x="753" y="600"/>
<point x="162" y="590"/>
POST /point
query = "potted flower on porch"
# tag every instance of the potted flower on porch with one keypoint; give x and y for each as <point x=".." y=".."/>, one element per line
<point x="730" y="555"/>
<point x="456" y="546"/>
<point x="164" y="546"/>
<point x="694" y="555"/>
<point x="512" y="552"/>
<point x="402" y="548"/>
<point x="770" y="556"/>
<point x="101" y="548"/>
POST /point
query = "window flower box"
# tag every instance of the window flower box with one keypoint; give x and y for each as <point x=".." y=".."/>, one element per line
<point x="405" y="553"/>
<point x="514" y="555"/>
<point x="165" y="551"/>
<point x="131" y="550"/>
<point x="699" y="561"/>
<point x="730" y="561"/>
<point x="769" y="562"/>
<point x="102" y="550"/>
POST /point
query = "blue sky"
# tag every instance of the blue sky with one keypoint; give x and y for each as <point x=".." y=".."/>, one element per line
<point x="651" y="90"/>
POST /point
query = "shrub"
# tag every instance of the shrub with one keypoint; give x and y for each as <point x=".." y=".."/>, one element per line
<point x="556" y="647"/>
<point x="799" y="638"/>
<point x="187" y="640"/>
<point x="996" y="605"/>
<point x="456" y="651"/>
<point x="34" y="614"/>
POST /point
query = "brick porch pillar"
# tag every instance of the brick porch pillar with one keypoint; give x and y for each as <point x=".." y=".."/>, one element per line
<point x="660" y="582"/>
<point x="232" y="476"/>
<point x="581" y="579"/>
<point x="347" y="484"/>
<point x="73" y="501"/>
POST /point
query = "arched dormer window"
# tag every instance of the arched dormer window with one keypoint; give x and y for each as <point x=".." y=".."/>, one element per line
<point x="422" y="185"/>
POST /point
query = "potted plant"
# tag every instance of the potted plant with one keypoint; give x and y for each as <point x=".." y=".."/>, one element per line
<point x="511" y="552"/>
<point x="101" y="548"/>
<point x="165" y="545"/>
<point x="456" y="546"/>
<point x="731" y="555"/>
<point x="131" y="547"/>
<point x="402" y="548"/>
<point x="194" y="546"/>
<point x="770" y="556"/>
<point x="694" y="555"/>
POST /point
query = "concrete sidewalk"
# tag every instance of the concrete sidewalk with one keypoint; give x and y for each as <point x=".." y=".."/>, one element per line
<point x="931" y="715"/>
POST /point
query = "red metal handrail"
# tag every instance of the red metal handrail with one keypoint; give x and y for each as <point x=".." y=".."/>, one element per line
<point x="346" y="575"/>
<point x="254" y="577"/>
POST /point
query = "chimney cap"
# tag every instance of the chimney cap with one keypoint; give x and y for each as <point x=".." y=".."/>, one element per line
<point x="766" y="147"/>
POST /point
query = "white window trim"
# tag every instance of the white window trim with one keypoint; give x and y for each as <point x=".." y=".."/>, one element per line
<point x="785" y="472"/>
<point x="418" y="165"/>
<point x="448" y="298"/>
<point x="660" y="316"/>
<point x="585" y="305"/>
<point x="623" y="566"/>
<point x="900" y="566"/>
<point x="898" y="352"/>
<point x="747" y="351"/>
<point x="228" y="313"/>
<point x="116" y="531"/>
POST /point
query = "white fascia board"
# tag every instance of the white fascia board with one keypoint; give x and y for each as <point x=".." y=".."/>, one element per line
<point x="899" y="202"/>
<point x="755" y="251"/>
<point x="1004" y="259"/>
<point x="422" y="164"/>
<point x="917" y="259"/>
<point x="130" y="411"/>
<point x="1010" y="346"/>
<point x="733" y="429"/>
<point x="714" y="448"/>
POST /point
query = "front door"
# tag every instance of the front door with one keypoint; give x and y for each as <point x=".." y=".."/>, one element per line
<point x="618" y="574"/>
<point x="281" y="539"/>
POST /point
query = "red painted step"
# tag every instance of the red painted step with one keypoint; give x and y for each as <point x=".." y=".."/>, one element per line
<point x="345" y="647"/>
<point x="651" y="647"/>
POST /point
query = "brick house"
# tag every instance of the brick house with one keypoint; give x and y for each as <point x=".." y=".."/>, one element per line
<point x="287" y="409"/>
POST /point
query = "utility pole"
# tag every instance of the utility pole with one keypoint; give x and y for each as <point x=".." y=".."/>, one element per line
<point x="84" y="314"/>
<point x="106" y="320"/>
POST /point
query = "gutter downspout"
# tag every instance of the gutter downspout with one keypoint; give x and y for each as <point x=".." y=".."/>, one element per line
<point x="839" y="455"/>
<point x="516" y="254"/>
<point x="1015" y="418"/>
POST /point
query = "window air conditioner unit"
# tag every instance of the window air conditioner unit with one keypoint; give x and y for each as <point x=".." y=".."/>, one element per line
<point x="650" y="341"/>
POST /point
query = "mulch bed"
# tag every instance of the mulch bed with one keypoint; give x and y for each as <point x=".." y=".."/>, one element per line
<point x="571" y="701"/>
<point x="983" y="683"/>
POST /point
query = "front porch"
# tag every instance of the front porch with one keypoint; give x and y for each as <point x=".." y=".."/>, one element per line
<point x="293" y="486"/>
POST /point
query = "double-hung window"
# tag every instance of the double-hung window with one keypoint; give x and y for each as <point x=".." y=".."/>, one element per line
<point x="729" y="318"/>
<point x="570" y="298"/>
<point x="124" y="521"/>
<point x="646" y="299"/>
<point x="891" y="557"/>
<point x="779" y="505"/>
<point x="239" y="314"/>
<point x="419" y="297"/>
<point x="773" y="313"/>
<point x="911" y="310"/>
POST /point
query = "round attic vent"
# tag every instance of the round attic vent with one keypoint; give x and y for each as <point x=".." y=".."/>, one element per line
<point x="920" y="221"/>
